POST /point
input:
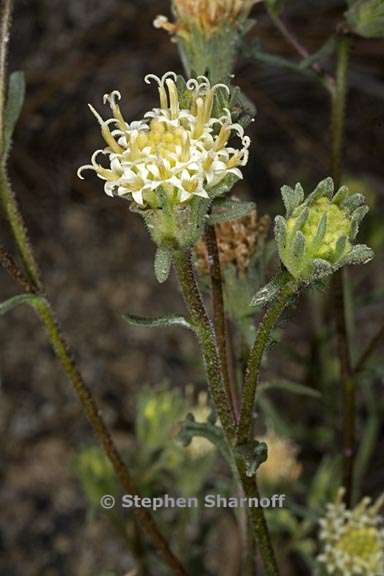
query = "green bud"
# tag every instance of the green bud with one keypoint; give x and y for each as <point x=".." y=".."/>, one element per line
<point x="366" y="18"/>
<point x="316" y="237"/>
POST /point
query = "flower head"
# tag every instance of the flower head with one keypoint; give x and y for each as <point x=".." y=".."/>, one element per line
<point x="353" y="540"/>
<point x="177" y="152"/>
<point x="206" y="15"/>
<point x="316" y="237"/>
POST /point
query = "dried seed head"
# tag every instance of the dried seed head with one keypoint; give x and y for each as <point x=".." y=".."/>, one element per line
<point x="238" y="241"/>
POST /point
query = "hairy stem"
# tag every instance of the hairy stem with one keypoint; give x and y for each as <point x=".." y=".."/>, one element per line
<point x="93" y="414"/>
<point x="326" y="79"/>
<point x="7" y="197"/>
<point x="6" y="13"/>
<point x="244" y="431"/>
<point x="19" y="231"/>
<point x="369" y="351"/>
<point x="204" y="330"/>
<point x="219" y="320"/>
<point x="343" y="340"/>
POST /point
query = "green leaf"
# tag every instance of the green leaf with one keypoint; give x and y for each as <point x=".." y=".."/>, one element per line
<point x="340" y="195"/>
<point x="366" y="17"/>
<point x="230" y="209"/>
<point x="159" y="321"/>
<point x="13" y="107"/>
<point x="162" y="264"/>
<point x="324" y="188"/>
<point x="255" y="52"/>
<point x="254" y="454"/>
<point x="291" y="387"/>
<point x="15" y="301"/>
<point x="360" y="254"/>
<point x="280" y="231"/>
<point x="326" y="50"/>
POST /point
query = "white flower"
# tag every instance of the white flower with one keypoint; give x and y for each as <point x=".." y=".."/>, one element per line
<point x="182" y="151"/>
<point x="353" y="540"/>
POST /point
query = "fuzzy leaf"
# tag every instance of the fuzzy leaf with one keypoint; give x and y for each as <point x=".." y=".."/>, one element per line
<point x="340" y="195"/>
<point x="320" y="268"/>
<point x="357" y="217"/>
<point x="268" y="293"/>
<point x="301" y="219"/>
<point x="298" y="245"/>
<point x="15" y="301"/>
<point x="354" y="201"/>
<point x="160" y="321"/>
<point x="324" y="188"/>
<point x="340" y="248"/>
<point x="292" y="197"/>
<point x="224" y="186"/>
<point x="162" y="264"/>
<point x="280" y="231"/>
<point x="230" y="209"/>
<point x="292" y="387"/>
<point x="255" y="51"/>
<point x="254" y="454"/>
<point x="13" y="107"/>
<point x="320" y="232"/>
<point x="360" y="254"/>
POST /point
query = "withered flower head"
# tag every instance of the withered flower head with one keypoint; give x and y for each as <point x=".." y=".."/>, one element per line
<point x="238" y="241"/>
<point x="206" y="15"/>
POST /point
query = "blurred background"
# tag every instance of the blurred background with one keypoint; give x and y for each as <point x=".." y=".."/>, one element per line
<point x="97" y="263"/>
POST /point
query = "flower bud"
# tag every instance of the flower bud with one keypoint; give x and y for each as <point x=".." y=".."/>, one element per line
<point x="316" y="237"/>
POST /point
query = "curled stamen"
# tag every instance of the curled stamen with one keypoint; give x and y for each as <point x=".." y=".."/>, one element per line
<point x="111" y="98"/>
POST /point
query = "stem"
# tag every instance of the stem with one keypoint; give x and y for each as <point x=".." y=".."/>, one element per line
<point x="343" y="342"/>
<point x="339" y="98"/>
<point x="244" y="432"/>
<point x="327" y="80"/>
<point x="369" y="351"/>
<point x="201" y="322"/>
<point x="93" y="414"/>
<point x="219" y="320"/>
<point x="19" y="231"/>
<point x="7" y="197"/>
<point x="6" y="13"/>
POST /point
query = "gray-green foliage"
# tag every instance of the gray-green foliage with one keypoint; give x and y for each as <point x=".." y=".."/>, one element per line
<point x="366" y="17"/>
<point x="13" y="107"/>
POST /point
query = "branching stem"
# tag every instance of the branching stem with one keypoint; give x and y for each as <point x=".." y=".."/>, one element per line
<point x="204" y="330"/>
<point x="348" y="383"/>
<point x="219" y="320"/>
<point x="263" y="335"/>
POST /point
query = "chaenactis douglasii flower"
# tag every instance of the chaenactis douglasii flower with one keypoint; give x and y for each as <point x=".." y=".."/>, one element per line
<point x="353" y="540"/>
<point x="316" y="237"/>
<point x="180" y="149"/>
